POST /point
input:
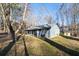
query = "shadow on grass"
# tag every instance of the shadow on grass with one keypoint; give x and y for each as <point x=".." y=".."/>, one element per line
<point x="25" y="48"/>
<point x="5" y="33"/>
<point x="72" y="38"/>
<point x="62" y="48"/>
<point x="2" y="36"/>
<point x="8" y="48"/>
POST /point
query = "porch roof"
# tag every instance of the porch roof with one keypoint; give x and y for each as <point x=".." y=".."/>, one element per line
<point x="40" y="27"/>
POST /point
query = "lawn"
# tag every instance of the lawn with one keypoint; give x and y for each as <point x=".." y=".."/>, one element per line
<point x="69" y="43"/>
<point x="38" y="47"/>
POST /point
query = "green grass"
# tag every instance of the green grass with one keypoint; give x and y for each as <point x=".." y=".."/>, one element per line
<point x="37" y="46"/>
<point x="69" y="43"/>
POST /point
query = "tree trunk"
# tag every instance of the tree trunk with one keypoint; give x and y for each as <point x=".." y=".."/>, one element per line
<point x="6" y="14"/>
<point x="4" y="20"/>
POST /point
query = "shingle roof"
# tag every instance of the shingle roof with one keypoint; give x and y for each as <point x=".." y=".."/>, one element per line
<point x="40" y="27"/>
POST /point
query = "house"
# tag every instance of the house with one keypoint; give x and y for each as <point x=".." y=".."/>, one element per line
<point x="54" y="31"/>
<point x="65" y="30"/>
<point x="38" y="30"/>
<point x="70" y="30"/>
<point x="44" y="30"/>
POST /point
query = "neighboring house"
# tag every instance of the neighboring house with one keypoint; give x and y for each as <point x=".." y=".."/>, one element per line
<point x="70" y="31"/>
<point x="65" y="30"/>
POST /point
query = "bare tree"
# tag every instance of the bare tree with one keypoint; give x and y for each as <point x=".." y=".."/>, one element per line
<point x="74" y="13"/>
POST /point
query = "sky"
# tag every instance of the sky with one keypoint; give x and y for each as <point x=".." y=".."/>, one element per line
<point x="42" y="9"/>
<point x="51" y="7"/>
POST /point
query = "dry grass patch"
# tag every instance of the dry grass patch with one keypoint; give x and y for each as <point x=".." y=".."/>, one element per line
<point x="37" y="46"/>
<point x="72" y="44"/>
